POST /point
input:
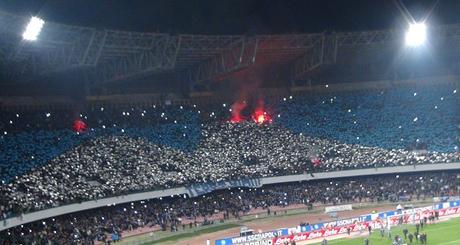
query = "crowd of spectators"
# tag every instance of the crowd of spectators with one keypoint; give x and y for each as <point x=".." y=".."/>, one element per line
<point x="179" y="212"/>
<point x="425" y="117"/>
<point x="392" y="119"/>
<point x="44" y="163"/>
<point x="119" y="164"/>
<point x="32" y="138"/>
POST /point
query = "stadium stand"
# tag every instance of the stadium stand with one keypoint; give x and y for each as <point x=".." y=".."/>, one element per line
<point x="174" y="213"/>
<point x="415" y="117"/>
<point x="133" y="148"/>
<point x="95" y="120"/>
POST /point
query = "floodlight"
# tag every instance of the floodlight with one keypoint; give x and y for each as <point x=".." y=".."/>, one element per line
<point x="416" y="35"/>
<point x="33" y="29"/>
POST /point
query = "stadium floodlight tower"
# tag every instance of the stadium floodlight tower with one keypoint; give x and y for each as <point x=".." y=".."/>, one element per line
<point x="33" y="29"/>
<point x="416" y="35"/>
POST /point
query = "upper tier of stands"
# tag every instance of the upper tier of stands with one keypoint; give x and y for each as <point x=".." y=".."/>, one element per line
<point x="400" y="118"/>
<point x="44" y="162"/>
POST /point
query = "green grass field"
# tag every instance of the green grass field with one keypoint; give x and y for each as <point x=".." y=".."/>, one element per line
<point x="169" y="238"/>
<point x="444" y="233"/>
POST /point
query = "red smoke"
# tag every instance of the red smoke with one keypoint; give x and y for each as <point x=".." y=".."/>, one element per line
<point x="79" y="126"/>
<point x="316" y="162"/>
<point x="237" y="108"/>
<point x="259" y="115"/>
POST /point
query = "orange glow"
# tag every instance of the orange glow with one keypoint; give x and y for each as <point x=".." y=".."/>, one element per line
<point x="260" y="118"/>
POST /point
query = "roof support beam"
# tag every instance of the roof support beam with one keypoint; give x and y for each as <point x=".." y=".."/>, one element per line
<point x="322" y="53"/>
<point x="161" y="57"/>
<point x="239" y="55"/>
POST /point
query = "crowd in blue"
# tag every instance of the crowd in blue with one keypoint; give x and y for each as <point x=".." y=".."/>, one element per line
<point x="424" y="117"/>
<point x="32" y="138"/>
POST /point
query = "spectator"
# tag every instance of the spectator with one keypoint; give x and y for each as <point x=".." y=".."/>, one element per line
<point x="87" y="226"/>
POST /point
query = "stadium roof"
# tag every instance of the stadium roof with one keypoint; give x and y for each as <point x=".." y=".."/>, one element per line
<point x="103" y="55"/>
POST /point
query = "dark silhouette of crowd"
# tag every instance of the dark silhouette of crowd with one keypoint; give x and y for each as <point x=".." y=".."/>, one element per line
<point x="182" y="212"/>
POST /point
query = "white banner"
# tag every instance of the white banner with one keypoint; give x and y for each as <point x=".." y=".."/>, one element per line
<point x="261" y="242"/>
<point x="338" y="208"/>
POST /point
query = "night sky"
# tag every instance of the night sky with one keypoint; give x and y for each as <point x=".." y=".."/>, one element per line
<point x="234" y="16"/>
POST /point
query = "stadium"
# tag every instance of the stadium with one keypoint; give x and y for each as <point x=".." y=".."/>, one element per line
<point x="229" y="122"/>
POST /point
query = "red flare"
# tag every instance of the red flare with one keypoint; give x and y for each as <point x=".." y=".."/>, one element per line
<point x="79" y="126"/>
<point x="260" y="116"/>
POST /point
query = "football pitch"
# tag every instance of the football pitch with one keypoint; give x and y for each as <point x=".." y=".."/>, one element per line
<point x="444" y="233"/>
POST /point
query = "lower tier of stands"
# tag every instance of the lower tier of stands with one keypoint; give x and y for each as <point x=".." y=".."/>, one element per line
<point x="203" y="189"/>
<point x="172" y="212"/>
